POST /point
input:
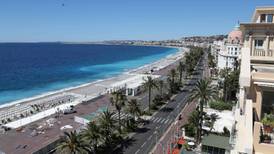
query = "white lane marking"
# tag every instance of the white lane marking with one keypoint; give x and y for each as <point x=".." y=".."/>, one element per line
<point x="143" y="144"/>
<point x="162" y="120"/>
<point x="166" y="121"/>
<point x="122" y="116"/>
<point x="116" y="114"/>
<point x="149" y="138"/>
<point x="137" y="151"/>
<point x="155" y="120"/>
<point x="152" y="118"/>
<point x="158" y="120"/>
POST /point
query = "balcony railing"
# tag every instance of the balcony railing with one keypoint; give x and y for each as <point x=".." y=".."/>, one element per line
<point x="262" y="53"/>
<point x="262" y="143"/>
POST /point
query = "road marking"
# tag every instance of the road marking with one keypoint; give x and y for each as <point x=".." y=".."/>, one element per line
<point x="123" y="115"/>
<point x="137" y="151"/>
<point x="115" y="115"/>
<point x="152" y="118"/>
<point x="149" y="137"/>
<point x="143" y="144"/>
<point x="166" y="121"/>
<point x="162" y="120"/>
<point x="158" y="120"/>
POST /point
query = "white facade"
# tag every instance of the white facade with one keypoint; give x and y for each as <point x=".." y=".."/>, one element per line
<point x="228" y="55"/>
<point x="230" y="49"/>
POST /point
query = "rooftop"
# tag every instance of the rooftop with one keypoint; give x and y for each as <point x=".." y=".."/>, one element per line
<point x="216" y="141"/>
<point x="261" y="9"/>
<point x="225" y="119"/>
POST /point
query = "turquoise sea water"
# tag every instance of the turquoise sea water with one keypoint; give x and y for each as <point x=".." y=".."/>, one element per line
<point x="29" y="69"/>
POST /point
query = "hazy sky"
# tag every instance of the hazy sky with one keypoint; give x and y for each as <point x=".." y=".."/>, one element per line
<point x="92" y="20"/>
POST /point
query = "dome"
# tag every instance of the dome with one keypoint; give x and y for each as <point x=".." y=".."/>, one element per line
<point x="235" y="36"/>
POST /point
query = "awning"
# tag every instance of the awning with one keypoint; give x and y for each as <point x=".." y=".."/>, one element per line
<point x="181" y="141"/>
<point x="176" y="151"/>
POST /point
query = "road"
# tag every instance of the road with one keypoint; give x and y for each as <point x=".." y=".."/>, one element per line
<point x="145" y="139"/>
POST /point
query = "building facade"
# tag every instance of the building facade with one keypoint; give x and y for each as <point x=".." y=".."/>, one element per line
<point x="230" y="49"/>
<point x="256" y="94"/>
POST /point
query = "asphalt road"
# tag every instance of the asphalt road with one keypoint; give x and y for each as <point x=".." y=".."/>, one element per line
<point x="145" y="139"/>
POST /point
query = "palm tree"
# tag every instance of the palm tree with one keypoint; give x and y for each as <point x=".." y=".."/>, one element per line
<point x="92" y="135"/>
<point x="107" y="125"/>
<point x="181" y="68"/>
<point x="134" y="108"/>
<point x="72" y="143"/>
<point x="161" y="86"/>
<point x="149" y="84"/>
<point x="213" y="119"/>
<point x="118" y="99"/>
<point x="171" y="79"/>
<point x="193" y="123"/>
<point x="203" y="92"/>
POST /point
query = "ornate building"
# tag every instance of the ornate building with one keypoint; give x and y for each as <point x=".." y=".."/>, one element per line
<point x="231" y="49"/>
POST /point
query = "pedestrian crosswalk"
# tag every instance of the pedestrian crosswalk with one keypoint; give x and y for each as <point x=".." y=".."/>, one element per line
<point x="160" y="120"/>
<point x="122" y="115"/>
<point x="153" y="119"/>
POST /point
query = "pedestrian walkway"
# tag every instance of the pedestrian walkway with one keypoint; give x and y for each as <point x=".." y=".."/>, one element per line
<point x="161" y="120"/>
<point x="122" y="115"/>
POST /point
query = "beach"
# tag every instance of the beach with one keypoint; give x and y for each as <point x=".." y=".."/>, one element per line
<point x="19" y="113"/>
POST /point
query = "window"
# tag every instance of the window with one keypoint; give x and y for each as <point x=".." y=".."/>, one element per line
<point x="262" y="17"/>
<point x="259" y="44"/>
<point x="269" y="18"/>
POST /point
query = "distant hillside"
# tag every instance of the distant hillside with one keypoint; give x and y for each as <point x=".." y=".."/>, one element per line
<point x="201" y="39"/>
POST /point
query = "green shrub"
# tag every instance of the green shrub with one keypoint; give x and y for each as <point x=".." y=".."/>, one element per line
<point x="219" y="105"/>
<point x="190" y="130"/>
<point x="268" y="120"/>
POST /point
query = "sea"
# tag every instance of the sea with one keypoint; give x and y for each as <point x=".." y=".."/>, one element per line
<point x="30" y="69"/>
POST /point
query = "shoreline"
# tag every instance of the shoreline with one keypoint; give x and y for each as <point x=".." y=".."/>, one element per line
<point x="64" y="90"/>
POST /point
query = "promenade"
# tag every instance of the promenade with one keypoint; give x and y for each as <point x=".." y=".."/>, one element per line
<point x="146" y="139"/>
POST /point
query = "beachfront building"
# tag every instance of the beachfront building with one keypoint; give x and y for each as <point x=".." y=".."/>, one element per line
<point x="132" y="86"/>
<point x="255" y="109"/>
<point x="230" y="49"/>
<point x="216" y="48"/>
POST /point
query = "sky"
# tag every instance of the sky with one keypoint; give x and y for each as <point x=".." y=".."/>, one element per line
<point x="98" y="20"/>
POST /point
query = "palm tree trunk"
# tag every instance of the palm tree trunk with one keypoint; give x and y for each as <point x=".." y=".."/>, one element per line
<point x="161" y="89"/>
<point x="95" y="147"/>
<point x="149" y="98"/>
<point x="119" y="116"/>
<point x="201" y="122"/>
<point x="225" y="89"/>
<point x="180" y="77"/>
<point x="172" y="84"/>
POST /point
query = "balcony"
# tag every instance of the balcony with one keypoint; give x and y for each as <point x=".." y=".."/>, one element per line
<point x="263" y="140"/>
<point x="262" y="55"/>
